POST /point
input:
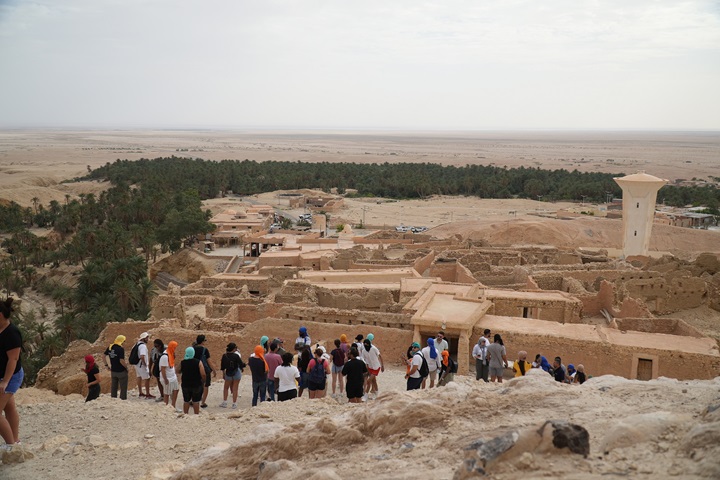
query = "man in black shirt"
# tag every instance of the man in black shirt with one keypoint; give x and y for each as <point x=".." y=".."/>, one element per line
<point x="118" y="368"/>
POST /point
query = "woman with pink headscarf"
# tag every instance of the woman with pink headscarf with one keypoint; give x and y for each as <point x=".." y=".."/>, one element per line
<point x="93" y="376"/>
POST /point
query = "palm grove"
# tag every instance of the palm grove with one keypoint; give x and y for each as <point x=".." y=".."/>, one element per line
<point x="155" y="205"/>
<point x="106" y="243"/>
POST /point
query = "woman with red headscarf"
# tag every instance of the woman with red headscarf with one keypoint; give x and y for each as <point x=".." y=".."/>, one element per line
<point x="93" y="375"/>
<point x="168" y="375"/>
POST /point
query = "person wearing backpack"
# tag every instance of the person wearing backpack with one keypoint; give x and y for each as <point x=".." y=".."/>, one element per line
<point x="203" y="354"/>
<point x="140" y="359"/>
<point x="232" y="366"/>
<point x="418" y="368"/>
<point x="317" y="369"/>
<point x="155" y="354"/>
<point x="338" y="361"/>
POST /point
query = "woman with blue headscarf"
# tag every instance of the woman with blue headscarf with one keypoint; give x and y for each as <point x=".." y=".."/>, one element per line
<point x="433" y="360"/>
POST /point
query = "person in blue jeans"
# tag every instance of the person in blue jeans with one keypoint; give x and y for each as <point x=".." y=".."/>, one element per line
<point x="259" y="369"/>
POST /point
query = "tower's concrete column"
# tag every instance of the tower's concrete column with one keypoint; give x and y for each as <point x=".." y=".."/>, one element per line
<point x="639" y="195"/>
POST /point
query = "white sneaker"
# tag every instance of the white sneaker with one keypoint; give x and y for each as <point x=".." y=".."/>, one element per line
<point x="234" y="406"/>
<point x="178" y="410"/>
<point x="6" y="448"/>
<point x="223" y="405"/>
<point x="365" y="398"/>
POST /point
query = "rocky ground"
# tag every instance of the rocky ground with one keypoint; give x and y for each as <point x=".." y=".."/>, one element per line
<point x="657" y="429"/>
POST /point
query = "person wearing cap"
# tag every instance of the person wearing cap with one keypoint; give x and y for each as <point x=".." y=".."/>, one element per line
<point x="142" y="369"/>
<point x="115" y="361"/>
<point x="303" y="340"/>
<point x="413" y="376"/>
<point x="279" y="342"/>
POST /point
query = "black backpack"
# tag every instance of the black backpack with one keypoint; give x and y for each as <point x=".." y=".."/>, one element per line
<point x="230" y="363"/>
<point x="452" y="366"/>
<point x="317" y="373"/>
<point x="134" y="358"/>
<point x="424" y="369"/>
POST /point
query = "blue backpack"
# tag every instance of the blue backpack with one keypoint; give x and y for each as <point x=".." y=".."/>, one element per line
<point x="317" y="373"/>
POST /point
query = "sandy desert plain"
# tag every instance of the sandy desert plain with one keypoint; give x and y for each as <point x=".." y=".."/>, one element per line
<point x="658" y="429"/>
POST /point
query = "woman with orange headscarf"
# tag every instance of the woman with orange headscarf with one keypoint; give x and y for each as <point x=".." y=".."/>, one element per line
<point x="168" y="375"/>
<point x="259" y="369"/>
<point x="448" y="367"/>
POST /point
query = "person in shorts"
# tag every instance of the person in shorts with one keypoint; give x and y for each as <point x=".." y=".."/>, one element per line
<point x="373" y="359"/>
<point x="232" y="366"/>
<point x="355" y="371"/>
<point x="193" y="381"/>
<point x="498" y="358"/>
<point x="338" y="361"/>
<point x="142" y="369"/>
<point x="317" y="388"/>
<point x="168" y="375"/>
<point x="414" y="380"/>
<point x="11" y="374"/>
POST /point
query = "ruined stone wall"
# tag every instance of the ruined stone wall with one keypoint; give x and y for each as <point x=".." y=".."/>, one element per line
<point x="550" y="310"/>
<point x="601" y="358"/>
<point x="463" y="275"/>
<point x="423" y="263"/>
<point x="167" y="306"/>
<point x="346" y="317"/>
<point x="447" y="271"/>
<point x="219" y="307"/>
<point x="669" y="326"/>
<point x="294" y="291"/>
<point x="361" y="298"/>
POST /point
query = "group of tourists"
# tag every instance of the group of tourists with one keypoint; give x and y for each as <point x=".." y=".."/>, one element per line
<point x="281" y="375"/>
<point x="352" y="367"/>
<point x="491" y="360"/>
<point x="432" y="361"/>
<point x="193" y="377"/>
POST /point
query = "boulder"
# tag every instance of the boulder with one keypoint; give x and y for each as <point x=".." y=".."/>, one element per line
<point x="702" y="436"/>
<point x="641" y="428"/>
<point x="17" y="454"/>
<point x="551" y="437"/>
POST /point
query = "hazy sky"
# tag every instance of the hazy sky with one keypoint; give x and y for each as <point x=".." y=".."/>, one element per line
<point x="395" y="64"/>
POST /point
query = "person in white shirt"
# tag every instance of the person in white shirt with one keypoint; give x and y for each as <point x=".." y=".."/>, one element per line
<point x="433" y="359"/>
<point x="479" y="353"/>
<point x="142" y="369"/>
<point x="168" y="375"/>
<point x="303" y="339"/>
<point x="375" y="365"/>
<point x="287" y="376"/>
<point x="441" y="344"/>
<point x="413" y="376"/>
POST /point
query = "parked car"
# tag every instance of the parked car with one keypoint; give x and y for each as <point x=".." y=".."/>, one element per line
<point x="401" y="228"/>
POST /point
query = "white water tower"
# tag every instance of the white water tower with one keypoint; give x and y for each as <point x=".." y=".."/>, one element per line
<point x="639" y="195"/>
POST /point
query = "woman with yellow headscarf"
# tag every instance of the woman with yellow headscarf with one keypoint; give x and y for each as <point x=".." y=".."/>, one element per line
<point x="115" y="356"/>
<point x="168" y="375"/>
